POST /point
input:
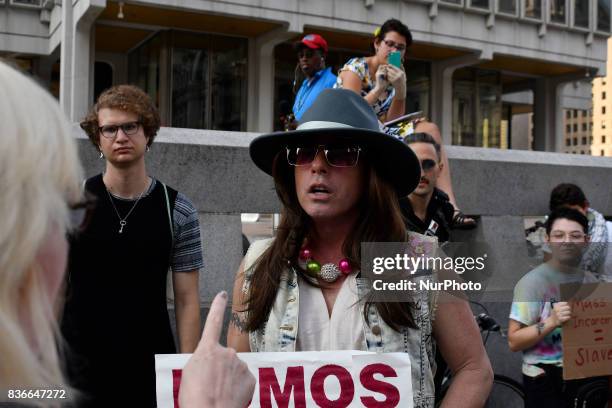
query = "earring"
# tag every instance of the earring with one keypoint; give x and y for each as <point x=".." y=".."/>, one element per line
<point x="101" y="154"/>
<point x="148" y="149"/>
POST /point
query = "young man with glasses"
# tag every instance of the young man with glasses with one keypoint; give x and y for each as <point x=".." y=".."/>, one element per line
<point x="311" y="53"/>
<point x="427" y="209"/>
<point x="115" y="318"/>
<point x="537" y="315"/>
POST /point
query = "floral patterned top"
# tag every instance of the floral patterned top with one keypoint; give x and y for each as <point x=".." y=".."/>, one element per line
<point x="359" y="66"/>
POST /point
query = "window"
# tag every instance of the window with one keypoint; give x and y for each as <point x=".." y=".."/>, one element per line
<point x="507" y="6"/>
<point x="575" y="127"/>
<point x="584" y="113"/>
<point x="603" y="17"/>
<point x="575" y="113"/>
<point x="590" y="139"/>
<point x="603" y="110"/>
<point x="558" y="11"/>
<point x="482" y="4"/>
<point x="568" y="114"/>
<point x="575" y="140"/>
<point x="603" y="124"/>
<point x="603" y="139"/>
<point x="568" y="128"/>
<point x="602" y="153"/>
<point x="584" y="140"/>
<point x="533" y="9"/>
<point x="584" y="127"/>
<point x="568" y="142"/>
<point x="581" y="13"/>
<point x="603" y="95"/>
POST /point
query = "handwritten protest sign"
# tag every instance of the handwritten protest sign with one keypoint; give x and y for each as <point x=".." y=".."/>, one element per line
<point x="309" y="379"/>
<point x="587" y="336"/>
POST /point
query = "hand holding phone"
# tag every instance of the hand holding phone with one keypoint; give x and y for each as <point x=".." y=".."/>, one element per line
<point x="395" y="59"/>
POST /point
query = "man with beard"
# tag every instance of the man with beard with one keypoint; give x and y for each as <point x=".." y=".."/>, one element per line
<point x="311" y="52"/>
<point x="537" y="316"/>
<point x="427" y="209"/>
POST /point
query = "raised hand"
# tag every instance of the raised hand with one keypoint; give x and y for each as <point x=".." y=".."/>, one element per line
<point x="214" y="376"/>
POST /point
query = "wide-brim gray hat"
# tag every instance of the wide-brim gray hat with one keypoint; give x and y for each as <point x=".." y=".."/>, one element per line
<point x="343" y="113"/>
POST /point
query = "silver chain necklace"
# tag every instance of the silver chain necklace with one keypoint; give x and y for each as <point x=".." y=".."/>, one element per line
<point x="123" y="221"/>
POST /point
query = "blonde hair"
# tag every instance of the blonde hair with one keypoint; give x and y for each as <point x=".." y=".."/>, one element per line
<point x="39" y="174"/>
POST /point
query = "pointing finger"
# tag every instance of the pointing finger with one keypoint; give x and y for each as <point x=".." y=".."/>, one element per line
<point x="214" y="320"/>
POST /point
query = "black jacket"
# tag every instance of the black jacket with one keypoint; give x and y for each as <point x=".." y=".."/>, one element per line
<point x="439" y="210"/>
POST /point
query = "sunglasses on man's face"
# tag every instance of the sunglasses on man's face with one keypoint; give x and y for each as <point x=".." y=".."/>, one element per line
<point x="336" y="155"/>
<point x="428" y="164"/>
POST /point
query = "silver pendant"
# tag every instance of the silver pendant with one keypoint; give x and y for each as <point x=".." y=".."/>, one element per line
<point x="122" y="223"/>
<point x="329" y="272"/>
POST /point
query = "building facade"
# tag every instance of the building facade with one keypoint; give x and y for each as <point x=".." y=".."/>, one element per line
<point x="578" y="125"/>
<point x="224" y="65"/>
<point x="602" y="114"/>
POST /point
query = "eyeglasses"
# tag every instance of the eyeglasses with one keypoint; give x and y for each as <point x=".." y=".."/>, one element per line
<point x="393" y="44"/>
<point x="110" y="131"/>
<point x="81" y="214"/>
<point x="561" y="235"/>
<point x="428" y="164"/>
<point x="336" y="156"/>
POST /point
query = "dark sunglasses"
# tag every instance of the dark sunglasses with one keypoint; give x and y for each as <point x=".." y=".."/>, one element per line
<point x="336" y="156"/>
<point x="428" y="164"/>
<point x="110" y="131"/>
<point x="81" y="214"/>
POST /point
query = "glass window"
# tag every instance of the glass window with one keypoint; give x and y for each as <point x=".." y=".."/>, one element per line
<point x="568" y="128"/>
<point x="575" y="113"/>
<point x="568" y="114"/>
<point x="198" y="82"/>
<point x="533" y="9"/>
<point x="483" y="4"/>
<point x="208" y="82"/>
<point x="603" y="95"/>
<point x="575" y="140"/>
<point x="584" y="140"/>
<point x="581" y="13"/>
<point x="584" y="113"/>
<point x="603" y="110"/>
<point x="575" y="127"/>
<point x="567" y="142"/>
<point x="477" y="108"/>
<point x="602" y="153"/>
<point x="603" y="139"/>
<point x="603" y="17"/>
<point x="507" y="6"/>
<point x="584" y="127"/>
<point x="558" y="11"/>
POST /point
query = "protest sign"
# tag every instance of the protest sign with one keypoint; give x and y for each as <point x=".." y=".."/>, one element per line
<point x="587" y="336"/>
<point x="309" y="379"/>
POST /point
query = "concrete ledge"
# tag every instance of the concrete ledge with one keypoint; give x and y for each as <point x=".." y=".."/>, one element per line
<point x="214" y="170"/>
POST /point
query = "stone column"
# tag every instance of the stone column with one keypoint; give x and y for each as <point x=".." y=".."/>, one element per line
<point x="261" y="77"/>
<point x="442" y="90"/>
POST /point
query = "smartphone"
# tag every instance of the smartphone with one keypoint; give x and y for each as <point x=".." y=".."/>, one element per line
<point x="395" y="59"/>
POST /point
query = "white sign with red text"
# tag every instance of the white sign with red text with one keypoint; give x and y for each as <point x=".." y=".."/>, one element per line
<point x="336" y="379"/>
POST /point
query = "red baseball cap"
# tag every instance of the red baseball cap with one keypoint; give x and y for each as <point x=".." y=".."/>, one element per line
<point x="314" y="41"/>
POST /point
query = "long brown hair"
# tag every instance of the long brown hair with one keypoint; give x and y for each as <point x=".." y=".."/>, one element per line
<point x="380" y="220"/>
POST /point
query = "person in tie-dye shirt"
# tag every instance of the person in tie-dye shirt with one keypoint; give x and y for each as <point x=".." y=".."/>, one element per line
<point x="537" y="315"/>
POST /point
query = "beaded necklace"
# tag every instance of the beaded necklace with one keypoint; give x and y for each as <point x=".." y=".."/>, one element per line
<point x="328" y="272"/>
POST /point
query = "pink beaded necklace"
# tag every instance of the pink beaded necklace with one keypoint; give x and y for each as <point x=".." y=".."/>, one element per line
<point x="328" y="272"/>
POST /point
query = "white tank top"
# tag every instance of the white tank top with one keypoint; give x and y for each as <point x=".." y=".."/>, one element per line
<point x="317" y="331"/>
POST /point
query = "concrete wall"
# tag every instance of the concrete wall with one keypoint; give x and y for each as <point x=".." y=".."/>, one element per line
<point x="500" y="186"/>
